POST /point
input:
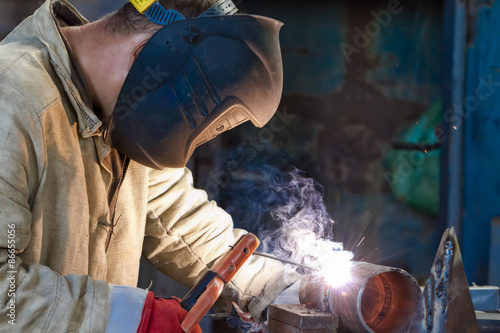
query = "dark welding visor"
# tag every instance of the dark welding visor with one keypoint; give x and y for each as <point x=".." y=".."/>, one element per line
<point x="193" y="80"/>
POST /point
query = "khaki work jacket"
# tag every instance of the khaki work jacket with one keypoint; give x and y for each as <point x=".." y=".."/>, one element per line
<point x="55" y="258"/>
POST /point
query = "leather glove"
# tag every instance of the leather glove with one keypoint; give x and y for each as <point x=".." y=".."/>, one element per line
<point x="163" y="315"/>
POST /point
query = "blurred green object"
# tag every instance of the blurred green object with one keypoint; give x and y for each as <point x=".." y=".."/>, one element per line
<point x="413" y="174"/>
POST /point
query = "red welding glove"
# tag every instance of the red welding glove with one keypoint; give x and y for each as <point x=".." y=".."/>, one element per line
<point x="163" y="315"/>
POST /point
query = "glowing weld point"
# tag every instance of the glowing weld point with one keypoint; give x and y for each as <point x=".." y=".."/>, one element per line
<point x="337" y="271"/>
<point x="330" y="259"/>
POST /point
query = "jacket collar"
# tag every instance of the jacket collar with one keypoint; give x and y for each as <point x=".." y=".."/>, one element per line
<point x="47" y="22"/>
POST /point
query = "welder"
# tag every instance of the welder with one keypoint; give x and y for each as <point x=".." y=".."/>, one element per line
<point x="98" y="122"/>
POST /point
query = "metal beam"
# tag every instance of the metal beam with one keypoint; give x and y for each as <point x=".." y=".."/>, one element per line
<point x="455" y="28"/>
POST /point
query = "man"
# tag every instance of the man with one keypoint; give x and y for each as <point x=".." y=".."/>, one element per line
<point x="98" y="120"/>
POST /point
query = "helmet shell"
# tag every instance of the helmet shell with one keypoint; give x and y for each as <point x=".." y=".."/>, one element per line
<point x="193" y="80"/>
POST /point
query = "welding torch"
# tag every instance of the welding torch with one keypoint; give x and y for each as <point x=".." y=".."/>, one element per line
<point x="203" y="295"/>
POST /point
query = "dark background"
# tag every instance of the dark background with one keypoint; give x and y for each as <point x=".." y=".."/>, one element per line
<point x="345" y="113"/>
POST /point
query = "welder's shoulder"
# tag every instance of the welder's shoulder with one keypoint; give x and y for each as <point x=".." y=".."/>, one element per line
<point x="27" y="79"/>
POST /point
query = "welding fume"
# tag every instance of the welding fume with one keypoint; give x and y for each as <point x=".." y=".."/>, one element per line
<point x="297" y="230"/>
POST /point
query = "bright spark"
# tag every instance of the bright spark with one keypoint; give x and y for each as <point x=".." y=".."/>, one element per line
<point x="361" y="241"/>
<point x="337" y="271"/>
<point x="333" y="262"/>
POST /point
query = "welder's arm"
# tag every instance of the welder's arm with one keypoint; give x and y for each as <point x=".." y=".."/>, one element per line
<point x="185" y="234"/>
<point x="33" y="297"/>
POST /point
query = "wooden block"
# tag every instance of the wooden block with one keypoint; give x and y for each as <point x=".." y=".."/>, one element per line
<point x="275" y="326"/>
<point x="303" y="318"/>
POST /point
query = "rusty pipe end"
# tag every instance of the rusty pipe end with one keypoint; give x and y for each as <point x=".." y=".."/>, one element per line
<point x="388" y="301"/>
<point x="377" y="299"/>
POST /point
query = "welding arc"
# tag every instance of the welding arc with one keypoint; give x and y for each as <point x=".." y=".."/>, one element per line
<point x="285" y="261"/>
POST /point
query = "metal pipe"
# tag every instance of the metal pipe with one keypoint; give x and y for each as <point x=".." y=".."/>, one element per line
<point x="377" y="299"/>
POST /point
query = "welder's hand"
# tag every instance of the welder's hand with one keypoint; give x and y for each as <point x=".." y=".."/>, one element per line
<point x="163" y="315"/>
<point x="246" y="317"/>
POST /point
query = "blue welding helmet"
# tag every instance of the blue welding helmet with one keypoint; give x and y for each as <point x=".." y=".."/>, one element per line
<point x="194" y="79"/>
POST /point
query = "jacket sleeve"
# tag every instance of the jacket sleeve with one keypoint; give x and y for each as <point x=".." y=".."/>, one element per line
<point x="33" y="298"/>
<point x="186" y="233"/>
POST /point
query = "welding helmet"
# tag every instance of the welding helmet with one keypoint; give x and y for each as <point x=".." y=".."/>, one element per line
<point x="194" y="79"/>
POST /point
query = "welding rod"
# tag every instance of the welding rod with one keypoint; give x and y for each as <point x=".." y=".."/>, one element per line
<point x="223" y="315"/>
<point x="285" y="261"/>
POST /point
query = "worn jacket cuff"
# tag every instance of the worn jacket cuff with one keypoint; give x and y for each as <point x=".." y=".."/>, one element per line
<point x="127" y="304"/>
